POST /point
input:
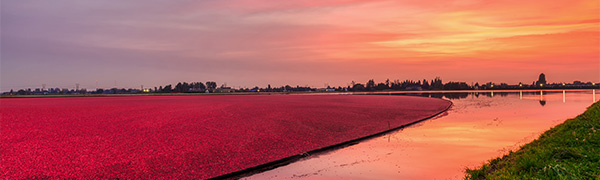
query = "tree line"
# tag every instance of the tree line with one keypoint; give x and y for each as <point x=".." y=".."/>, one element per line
<point x="184" y="87"/>
<point x="370" y="85"/>
<point x="435" y="84"/>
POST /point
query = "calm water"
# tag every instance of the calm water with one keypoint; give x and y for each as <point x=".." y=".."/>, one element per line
<point x="478" y="127"/>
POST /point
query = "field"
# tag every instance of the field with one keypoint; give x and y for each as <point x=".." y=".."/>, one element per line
<point x="184" y="137"/>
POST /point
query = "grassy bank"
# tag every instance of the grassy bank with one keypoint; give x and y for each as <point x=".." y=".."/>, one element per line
<point x="570" y="150"/>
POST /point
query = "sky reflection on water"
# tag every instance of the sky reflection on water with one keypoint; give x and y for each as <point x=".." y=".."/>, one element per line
<point x="478" y="127"/>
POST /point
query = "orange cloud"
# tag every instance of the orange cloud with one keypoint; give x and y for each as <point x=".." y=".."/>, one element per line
<point x="334" y="41"/>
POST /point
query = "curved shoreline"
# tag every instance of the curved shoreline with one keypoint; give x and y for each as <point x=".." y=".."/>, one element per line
<point x="190" y="136"/>
<point x="291" y="159"/>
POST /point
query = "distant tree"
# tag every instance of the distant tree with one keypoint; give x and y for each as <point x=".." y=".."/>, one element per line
<point x="370" y="85"/>
<point x="381" y="86"/>
<point x="358" y="87"/>
<point x="167" y="88"/>
<point x="179" y="87"/>
<point x="197" y="86"/>
<point x="456" y="86"/>
<point x="541" y="80"/>
<point x="437" y="84"/>
<point x="411" y="85"/>
<point x="425" y="85"/>
<point x="211" y="85"/>
<point x="185" y="87"/>
<point x="396" y="85"/>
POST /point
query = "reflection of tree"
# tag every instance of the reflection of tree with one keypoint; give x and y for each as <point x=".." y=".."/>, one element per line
<point x="532" y="93"/>
<point x="488" y="94"/>
<point x="456" y="95"/>
<point x="436" y="95"/>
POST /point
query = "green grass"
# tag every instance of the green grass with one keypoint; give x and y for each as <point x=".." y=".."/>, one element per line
<point x="570" y="150"/>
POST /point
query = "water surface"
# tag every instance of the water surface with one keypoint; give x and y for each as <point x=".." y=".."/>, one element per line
<point x="479" y="126"/>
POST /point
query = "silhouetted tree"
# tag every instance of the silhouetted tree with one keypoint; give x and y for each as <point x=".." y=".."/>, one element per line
<point x="425" y="85"/>
<point x="381" y="86"/>
<point x="179" y="87"/>
<point x="358" y="87"/>
<point x="185" y="87"/>
<point x="211" y="85"/>
<point x="197" y="87"/>
<point x="437" y="84"/>
<point x="456" y="86"/>
<point x="396" y="85"/>
<point x="21" y="92"/>
<point x="167" y="88"/>
<point x="370" y="85"/>
<point x="541" y="80"/>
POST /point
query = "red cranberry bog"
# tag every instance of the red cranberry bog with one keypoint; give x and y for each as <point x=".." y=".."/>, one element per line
<point x="184" y="137"/>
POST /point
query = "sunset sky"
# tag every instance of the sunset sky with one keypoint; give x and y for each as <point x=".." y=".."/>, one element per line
<point x="247" y="43"/>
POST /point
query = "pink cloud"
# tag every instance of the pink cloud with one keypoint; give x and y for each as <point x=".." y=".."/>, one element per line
<point x="247" y="42"/>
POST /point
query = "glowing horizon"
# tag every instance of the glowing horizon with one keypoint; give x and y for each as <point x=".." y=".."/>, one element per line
<point x="247" y="43"/>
